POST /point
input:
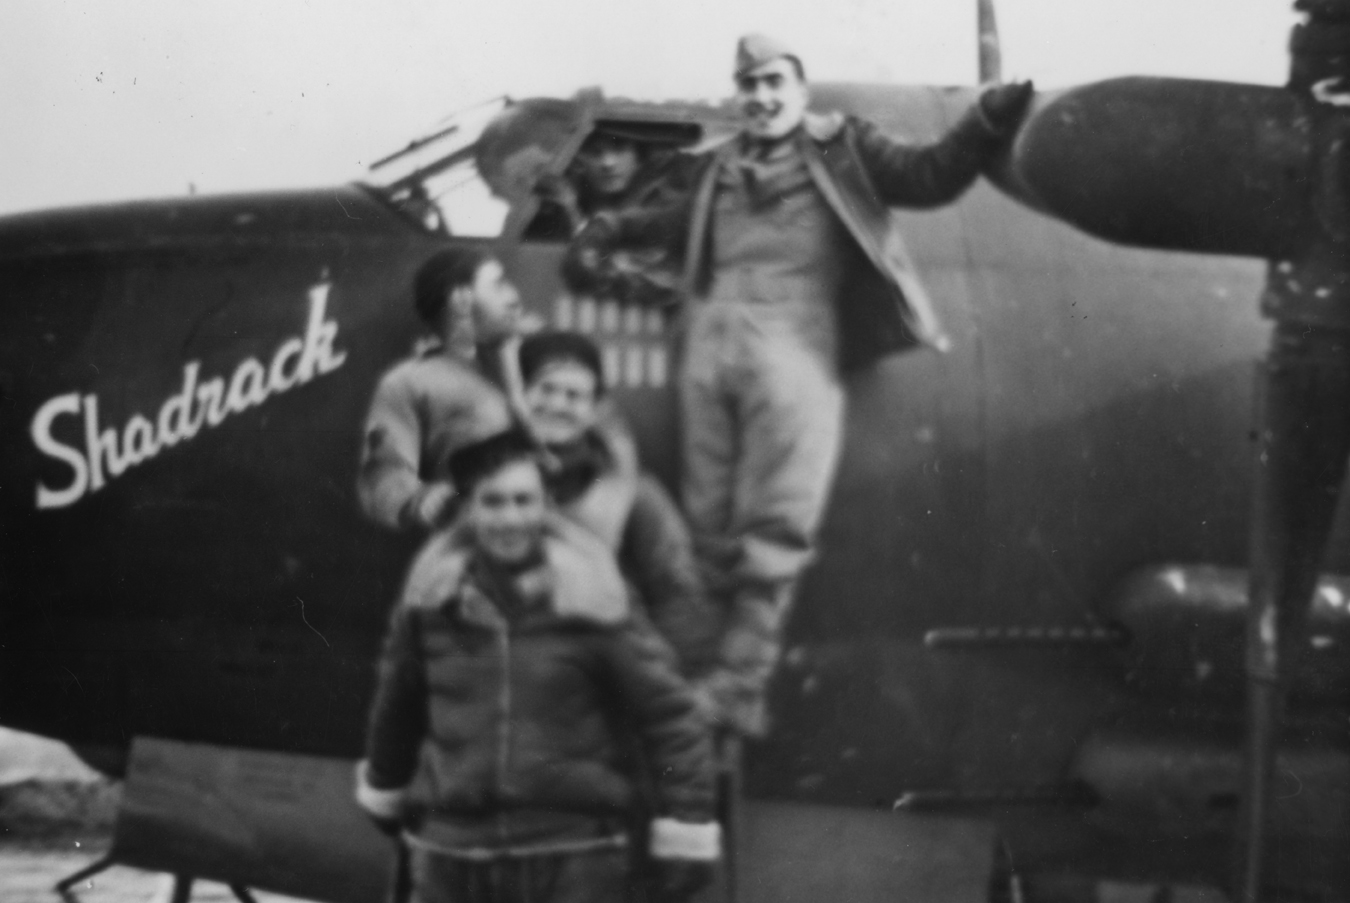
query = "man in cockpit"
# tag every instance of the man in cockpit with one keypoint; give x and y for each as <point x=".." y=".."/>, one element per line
<point x="619" y="165"/>
<point x="453" y="392"/>
<point x="794" y="271"/>
<point x="607" y="168"/>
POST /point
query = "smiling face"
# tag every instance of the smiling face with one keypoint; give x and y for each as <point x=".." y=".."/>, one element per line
<point x="772" y="98"/>
<point x="608" y="164"/>
<point x="561" y="400"/>
<point x="506" y="510"/>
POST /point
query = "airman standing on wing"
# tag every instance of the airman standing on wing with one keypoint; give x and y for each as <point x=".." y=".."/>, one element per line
<point x="794" y="271"/>
<point x="514" y="663"/>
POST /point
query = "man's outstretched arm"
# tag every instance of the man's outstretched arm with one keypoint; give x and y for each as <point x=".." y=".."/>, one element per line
<point x="912" y="175"/>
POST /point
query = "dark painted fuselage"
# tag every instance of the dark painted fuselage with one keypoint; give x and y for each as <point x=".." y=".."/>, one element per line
<point x="1092" y="418"/>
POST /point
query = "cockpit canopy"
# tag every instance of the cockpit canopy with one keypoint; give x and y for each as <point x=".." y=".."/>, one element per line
<point x="476" y="172"/>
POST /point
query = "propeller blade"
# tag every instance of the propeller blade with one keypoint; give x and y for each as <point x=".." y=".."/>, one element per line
<point x="991" y="54"/>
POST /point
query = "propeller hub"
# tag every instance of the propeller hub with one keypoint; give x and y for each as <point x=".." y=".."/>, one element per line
<point x="1211" y="167"/>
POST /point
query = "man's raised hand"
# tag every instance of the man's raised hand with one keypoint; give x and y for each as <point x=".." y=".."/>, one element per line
<point x="1005" y="105"/>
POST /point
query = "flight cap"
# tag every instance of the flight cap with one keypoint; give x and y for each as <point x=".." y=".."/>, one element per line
<point x="474" y="462"/>
<point x="756" y="49"/>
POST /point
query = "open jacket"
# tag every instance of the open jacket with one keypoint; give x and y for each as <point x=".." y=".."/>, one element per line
<point x="487" y="709"/>
<point x="861" y="173"/>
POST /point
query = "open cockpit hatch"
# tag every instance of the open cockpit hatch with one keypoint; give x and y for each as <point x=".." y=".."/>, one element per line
<point x="477" y="172"/>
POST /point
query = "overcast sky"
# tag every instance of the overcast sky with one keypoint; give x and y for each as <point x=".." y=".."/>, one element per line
<point x="107" y="101"/>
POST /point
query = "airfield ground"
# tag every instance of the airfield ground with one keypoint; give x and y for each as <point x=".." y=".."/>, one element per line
<point x="56" y="817"/>
<point x="28" y="873"/>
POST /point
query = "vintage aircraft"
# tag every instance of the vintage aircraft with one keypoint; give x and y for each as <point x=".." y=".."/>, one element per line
<point x="1017" y="667"/>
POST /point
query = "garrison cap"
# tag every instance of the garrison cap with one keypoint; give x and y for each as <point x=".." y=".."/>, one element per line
<point x="543" y="348"/>
<point x="754" y="50"/>
<point x="474" y="462"/>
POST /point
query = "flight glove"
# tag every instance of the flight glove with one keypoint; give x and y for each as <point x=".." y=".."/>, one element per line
<point x="383" y="807"/>
<point x="683" y="857"/>
<point x="558" y="190"/>
<point x="1004" y="106"/>
<point x="585" y="266"/>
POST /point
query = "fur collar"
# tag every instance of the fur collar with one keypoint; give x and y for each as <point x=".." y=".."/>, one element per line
<point x="823" y="127"/>
<point x="605" y="505"/>
<point x="579" y="574"/>
<point x="819" y="127"/>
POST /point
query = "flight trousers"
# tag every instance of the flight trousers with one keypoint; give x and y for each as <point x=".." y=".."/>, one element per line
<point x="593" y="877"/>
<point x="762" y="419"/>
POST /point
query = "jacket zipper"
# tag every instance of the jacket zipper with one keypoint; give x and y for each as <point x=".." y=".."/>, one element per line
<point x="504" y="705"/>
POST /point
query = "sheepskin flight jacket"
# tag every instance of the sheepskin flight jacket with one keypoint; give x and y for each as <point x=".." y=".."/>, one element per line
<point x="505" y="693"/>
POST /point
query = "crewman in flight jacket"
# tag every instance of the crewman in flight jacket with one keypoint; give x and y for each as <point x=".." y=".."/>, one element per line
<point x="595" y="480"/>
<point x="511" y="666"/>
